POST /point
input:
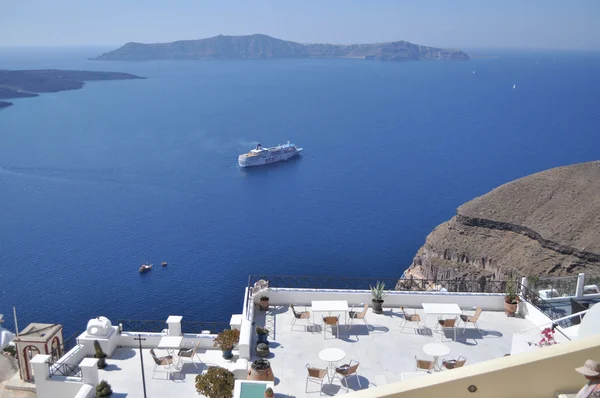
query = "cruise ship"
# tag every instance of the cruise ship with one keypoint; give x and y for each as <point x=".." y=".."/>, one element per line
<point x="260" y="155"/>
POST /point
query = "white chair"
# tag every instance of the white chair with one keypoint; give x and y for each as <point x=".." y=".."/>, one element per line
<point x="163" y="364"/>
<point x="358" y="315"/>
<point x="300" y="315"/>
<point x="446" y="324"/>
<point x="424" y="365"/>
<point x="331" y="321"/>
<point x="316" y="375"/>
<point x="471" y="319"/>
<point x="344" y="372"/>
<point x="406" y="317"/>
<point x="189" y="353"/>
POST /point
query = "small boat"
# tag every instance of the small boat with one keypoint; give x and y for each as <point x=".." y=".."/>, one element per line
<point x="145" y="268"/>
<point x="514" y="86"/>
<point x="164" y="263"/>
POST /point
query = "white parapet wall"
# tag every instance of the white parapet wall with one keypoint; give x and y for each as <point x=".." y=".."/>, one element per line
<point x="394" y="299"/>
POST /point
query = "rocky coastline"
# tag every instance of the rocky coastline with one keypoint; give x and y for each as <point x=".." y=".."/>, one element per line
<point x="260" y="46"/>
<point x="28" y="83"/>
<point x="545" y="224"/>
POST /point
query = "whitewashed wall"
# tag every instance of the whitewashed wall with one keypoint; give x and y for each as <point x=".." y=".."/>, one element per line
<point x="394" y="299"/>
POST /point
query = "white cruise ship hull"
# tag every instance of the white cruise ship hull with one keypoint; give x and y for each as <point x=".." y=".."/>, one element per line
<point x="266" y="157"/>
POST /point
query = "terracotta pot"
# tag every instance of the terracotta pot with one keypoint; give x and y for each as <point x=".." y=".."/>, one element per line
<point x="511" y="308"/>
<point x="261" y="374"/>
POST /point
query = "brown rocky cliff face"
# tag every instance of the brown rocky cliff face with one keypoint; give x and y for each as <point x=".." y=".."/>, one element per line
<point x="547" y="223"/>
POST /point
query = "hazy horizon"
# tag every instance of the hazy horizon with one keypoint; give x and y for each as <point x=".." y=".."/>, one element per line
<point x="536" y="24"/>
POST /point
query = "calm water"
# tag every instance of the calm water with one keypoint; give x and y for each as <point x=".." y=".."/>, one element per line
<point x="96" y="181"/>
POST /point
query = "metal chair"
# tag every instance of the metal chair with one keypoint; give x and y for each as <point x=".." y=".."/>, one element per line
<point x="455" y="363"/>
<point x="331" y="321"/>
<point x="162" y="364"/>
<point x="424" y="365"/>
<point x="300" y="315"/>
<point x="410" y="318"/>
<point x="471" y="319"/>
<point x="189" y="353"/>
<point x="358" y="315"/>
<point x="448" y="324"/>
<point x="316" y="375"/>
<point x="346" y="371"/>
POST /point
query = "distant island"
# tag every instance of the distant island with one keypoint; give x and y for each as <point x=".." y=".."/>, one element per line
<point x="266" y="47"/>
<point x="28" y="83"/>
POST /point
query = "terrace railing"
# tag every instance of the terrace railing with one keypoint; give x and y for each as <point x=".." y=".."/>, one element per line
<point x="259" y="282"/>
<point x="563" y="286"/>
<point x="199" y="327"/>
<point x="152" y="326"/>
<point x="64" y="369"/>
<point x="65" y="347"/>
<point x="551" y="311"/>
<point x="591" y="284"/>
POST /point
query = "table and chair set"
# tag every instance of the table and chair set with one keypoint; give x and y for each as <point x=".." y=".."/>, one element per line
<point x="173" y="362"/>
<point x="448" y="317"/>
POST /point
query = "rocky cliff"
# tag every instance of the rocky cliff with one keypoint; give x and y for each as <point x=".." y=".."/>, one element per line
<point x="265" y="47"/>
<point x="547" y="223"/>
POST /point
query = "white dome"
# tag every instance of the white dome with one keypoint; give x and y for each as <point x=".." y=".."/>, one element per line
<point x="99" y="327"/>
<point x="6" y="337"/>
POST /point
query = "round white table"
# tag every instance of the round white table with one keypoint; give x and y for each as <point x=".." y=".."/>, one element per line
<point x="436" y="350"/>
<point x="332" y="356"/>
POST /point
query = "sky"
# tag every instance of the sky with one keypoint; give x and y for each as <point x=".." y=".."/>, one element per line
<point x="543" y="24"/>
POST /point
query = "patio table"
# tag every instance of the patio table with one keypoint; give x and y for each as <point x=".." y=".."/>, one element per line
<point x="332" y="356"/>
<point x="441" y="309"/>
<point x="330" y="306"/>
<point x="436" y="350"/>
<point x="170" y="343"/>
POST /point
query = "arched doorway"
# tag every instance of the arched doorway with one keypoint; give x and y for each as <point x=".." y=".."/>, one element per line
<point x="55" y="349"/>
<point x="28" y="353"/>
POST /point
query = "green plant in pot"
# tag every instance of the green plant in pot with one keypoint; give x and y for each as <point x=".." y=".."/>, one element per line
<point x="262" y="334"/>
<point x="264" y="303"/>
<point x="226" y="340"/>
<point x="100" y="355"/>
<point x="378" y="294"/>
<point x="269" y="393"/>
<point x="103" y="389"/>
<point x="511" y="299"/>
<point x="217" y="382"/>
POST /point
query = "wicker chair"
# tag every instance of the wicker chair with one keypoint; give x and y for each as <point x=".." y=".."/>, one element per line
<point x="410" y="318"/>
<point x="189" y="353"/>
<point x="300" y="315"/>
<point x="316" y="375"/>
<point x="471" y="319"/>
<point x="331" y="321"/>
<point x="345" y="371"/>
<point x="359" y="315"/>
<point x="423" y="365"/>
<point x="448" y="324"/>
<point x="162" y="364"/>
<point x="456" y="363"/>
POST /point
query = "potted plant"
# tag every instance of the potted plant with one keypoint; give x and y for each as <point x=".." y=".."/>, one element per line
<point x="100" y="355"/>
<point x="226" y="340"/>
<point x="217" y="382"/>
<point x="264" y="303"/>
<point x="378" y="294"/>
<point x="511" y="299"/>
<point x="103" y="389"/>
<point x="269" y="393"/>
<point x="261" y="370"/>
<point x="262" y="334"/>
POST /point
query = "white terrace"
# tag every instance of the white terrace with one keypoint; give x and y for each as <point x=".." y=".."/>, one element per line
<point x="386" y="353"/>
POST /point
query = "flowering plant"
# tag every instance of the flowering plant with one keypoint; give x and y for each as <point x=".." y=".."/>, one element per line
<point x="547" y="338"/>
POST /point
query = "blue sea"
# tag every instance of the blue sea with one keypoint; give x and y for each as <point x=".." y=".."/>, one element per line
<point x="94" y="182"/>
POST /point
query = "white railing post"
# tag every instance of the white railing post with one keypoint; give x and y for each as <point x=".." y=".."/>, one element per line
<point x="580" y="284"/>
<point x="174" y="323"/>
<point x="524" y="284"/>
<point x="89" y="371"/>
